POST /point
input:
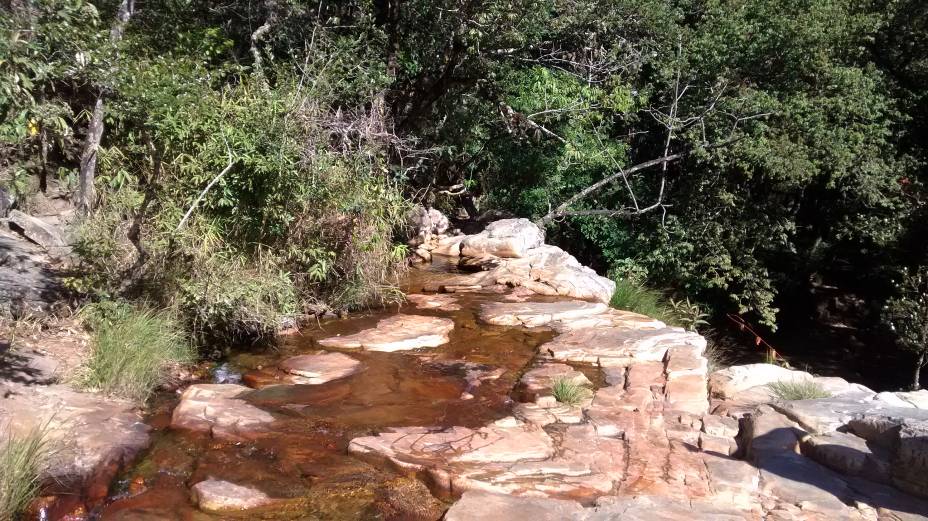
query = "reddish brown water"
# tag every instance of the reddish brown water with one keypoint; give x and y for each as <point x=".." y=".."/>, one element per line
<point x="304" y="460"/>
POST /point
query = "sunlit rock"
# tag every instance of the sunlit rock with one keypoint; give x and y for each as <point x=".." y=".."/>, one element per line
<point x="219" y="410"/>
<point x="320" y="368"/>
<point x="397" y="333"/>
<point x="220" y="496"/>
<point x="504" y="238"/>
<point x="534" y="314"/>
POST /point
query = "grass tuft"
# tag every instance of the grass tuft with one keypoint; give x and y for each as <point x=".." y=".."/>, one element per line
<point x="632" y="296"/>
<point x="569" y="392"/>
<point x="21" y="461"/>
<point x="798" y="390"/>
<point x="132" y="349"/>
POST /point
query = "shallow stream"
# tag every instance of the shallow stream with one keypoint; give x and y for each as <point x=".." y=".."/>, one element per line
<point x="303" y="458"/>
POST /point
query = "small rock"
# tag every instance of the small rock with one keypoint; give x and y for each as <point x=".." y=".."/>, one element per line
<point x="320" y="368"/>
<point x="218" y="496"/>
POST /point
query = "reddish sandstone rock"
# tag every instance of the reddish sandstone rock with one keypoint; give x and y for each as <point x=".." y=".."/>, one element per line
<point x="320" y="368"/>
<point x="218" y="409"/>
<point x="534" y="314"/>
<point x="397" y="333"/>
<point x="434" y="301"/>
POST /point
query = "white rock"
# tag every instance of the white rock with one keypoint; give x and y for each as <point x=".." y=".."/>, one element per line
<point x="727" y="383"/>
<point x="504" y="238"/>
<point x="215" y="495"/>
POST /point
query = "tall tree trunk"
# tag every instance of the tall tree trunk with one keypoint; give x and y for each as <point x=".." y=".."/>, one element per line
<point x="917" y="377"/>
<point x="86" y="195"/>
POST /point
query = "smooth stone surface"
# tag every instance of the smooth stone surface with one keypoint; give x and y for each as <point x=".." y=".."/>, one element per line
<point x="504" y="238"/>
<point x="727" y="383"/>
<point x="534" y="314"/>
<point x="434" y="301"/>
<point x="220" y="496"/>
<point x="217" y="409"/>
<point x="397" y="333"/>
<point x="321" y="367"/>
<point x="37" y="230"/>
<point x="848" y="454"/>
<point x="484" y="506"/>
<point x="88" y="431"/>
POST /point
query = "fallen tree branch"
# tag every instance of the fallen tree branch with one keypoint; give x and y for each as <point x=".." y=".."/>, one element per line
<point x="562" y="209"/>
<point x="205" y="190"/>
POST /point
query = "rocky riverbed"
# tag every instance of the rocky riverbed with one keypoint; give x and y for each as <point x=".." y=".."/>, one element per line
<point x="446" y="407"/>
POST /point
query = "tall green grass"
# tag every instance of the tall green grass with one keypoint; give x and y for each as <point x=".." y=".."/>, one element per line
<point x="631" y="296"/>
<point x="21" y="460"/>
<point x="132" y="349"/>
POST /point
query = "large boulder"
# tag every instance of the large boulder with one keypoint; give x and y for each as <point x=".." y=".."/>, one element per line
<point x="504" y="238"/>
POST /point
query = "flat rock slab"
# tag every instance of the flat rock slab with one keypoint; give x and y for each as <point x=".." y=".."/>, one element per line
<point x="534" y="314"/>
<point x="215" y="495"/>
<point x="37" y="230"/>
<point x="320" y="368"/>
<point x="658" y="508"/>
<point x="481" y="506"/>
<point x="434" y="301"/>
<point x="617" y="347"/>
<point x="219" y="410"/>
<point x="506" y="440"/>
<point x="397" y="333"/>
<point x="87" y="430"/>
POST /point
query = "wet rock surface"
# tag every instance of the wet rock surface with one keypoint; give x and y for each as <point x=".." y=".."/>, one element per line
<point x="221" y="496"/>
<point x="397" y="333"/>
<point x="319" y="368"/>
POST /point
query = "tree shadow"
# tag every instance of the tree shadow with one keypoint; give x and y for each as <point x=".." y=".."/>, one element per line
<point x="797" y="475"/>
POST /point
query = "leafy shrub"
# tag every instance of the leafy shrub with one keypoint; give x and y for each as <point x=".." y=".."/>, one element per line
<point x="132" y="348"/>
<point x="688" y="315"/>
<point x="798" y="390"/>
<point x="569" y="392"/>
<point x="21" y="461"/>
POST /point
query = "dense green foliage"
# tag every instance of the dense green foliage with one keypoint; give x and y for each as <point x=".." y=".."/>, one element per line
<point x="794" y="134"/>
<point x="906" y="314"/>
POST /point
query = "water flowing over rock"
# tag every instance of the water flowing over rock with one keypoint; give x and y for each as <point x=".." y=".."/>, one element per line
<point x="397" y="333"/>
<point x="320" y="368"/>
